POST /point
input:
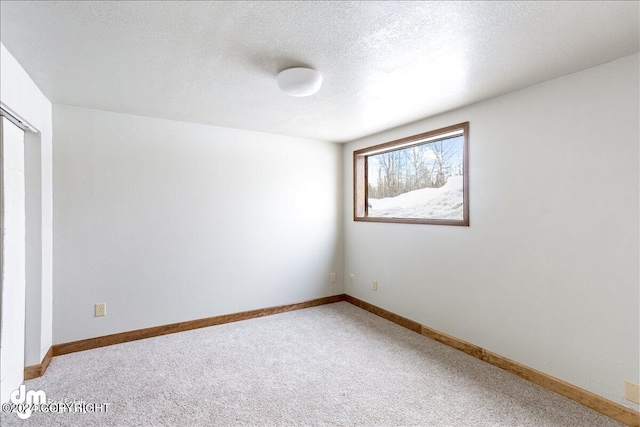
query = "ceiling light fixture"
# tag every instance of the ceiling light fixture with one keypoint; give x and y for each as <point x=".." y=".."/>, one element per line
<point x="299" y="81"/>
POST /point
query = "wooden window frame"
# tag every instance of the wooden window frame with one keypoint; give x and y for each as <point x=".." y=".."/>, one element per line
<point x="360" y="175"/>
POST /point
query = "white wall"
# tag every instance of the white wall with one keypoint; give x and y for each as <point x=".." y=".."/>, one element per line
<point x="547" y="274"/>
<point x="19" y="92"/>
<point x="168" y="221"/>
<point x="34" y="345"/>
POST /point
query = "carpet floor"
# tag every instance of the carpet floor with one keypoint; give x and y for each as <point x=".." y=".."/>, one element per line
<point x="329" y="365"/>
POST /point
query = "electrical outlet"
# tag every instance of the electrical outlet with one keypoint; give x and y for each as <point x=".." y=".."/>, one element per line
<point x="101" y="309"/>
<point x="375" y="285"/>
<point x="352" y="278"/>
<point x="632" y="392"/>
<point x="333" y="277"/>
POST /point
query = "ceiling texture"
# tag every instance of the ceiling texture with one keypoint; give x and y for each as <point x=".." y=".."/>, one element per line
<point x="384" y="64"/>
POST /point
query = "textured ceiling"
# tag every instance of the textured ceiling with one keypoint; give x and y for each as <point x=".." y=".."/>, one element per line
<point x="384" y="63"/>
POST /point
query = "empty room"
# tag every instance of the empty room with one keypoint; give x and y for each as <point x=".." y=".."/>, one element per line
<point x="346" y="213"/>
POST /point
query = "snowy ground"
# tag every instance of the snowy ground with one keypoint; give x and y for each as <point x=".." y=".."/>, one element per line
<point x="439" y="203"/>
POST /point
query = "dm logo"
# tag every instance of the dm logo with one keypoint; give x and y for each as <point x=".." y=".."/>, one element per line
<point x="27" y="400"/>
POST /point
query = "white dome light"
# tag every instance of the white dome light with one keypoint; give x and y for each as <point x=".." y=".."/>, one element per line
<point x="299" y="81"/>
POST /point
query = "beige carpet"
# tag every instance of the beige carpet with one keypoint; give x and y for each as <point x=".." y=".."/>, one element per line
<point x="329" y="365"/>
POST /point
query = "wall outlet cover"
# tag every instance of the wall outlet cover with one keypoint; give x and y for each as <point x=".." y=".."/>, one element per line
<point x="101" y="309"/>
<point x="632" y="392"/>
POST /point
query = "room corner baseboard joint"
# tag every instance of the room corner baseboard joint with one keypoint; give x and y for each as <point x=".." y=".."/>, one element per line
<point x="35" y="371"/>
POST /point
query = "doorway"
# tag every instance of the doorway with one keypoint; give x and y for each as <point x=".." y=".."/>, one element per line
<point x="13" y="256"/>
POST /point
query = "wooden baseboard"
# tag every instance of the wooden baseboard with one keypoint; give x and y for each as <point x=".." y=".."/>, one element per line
<point x="35" y="371"/>
<point x="604" y="406"/>
<point x="402" y="321"/>
<point x="139" y="334"/>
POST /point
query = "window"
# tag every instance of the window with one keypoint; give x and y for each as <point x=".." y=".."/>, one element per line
<point x="422" y="179"/>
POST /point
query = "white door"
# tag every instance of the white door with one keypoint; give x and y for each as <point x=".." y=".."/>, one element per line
<point x="12" y="247"/>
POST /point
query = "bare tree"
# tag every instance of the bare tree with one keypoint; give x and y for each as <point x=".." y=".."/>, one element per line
<point x="443" y="152"/>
